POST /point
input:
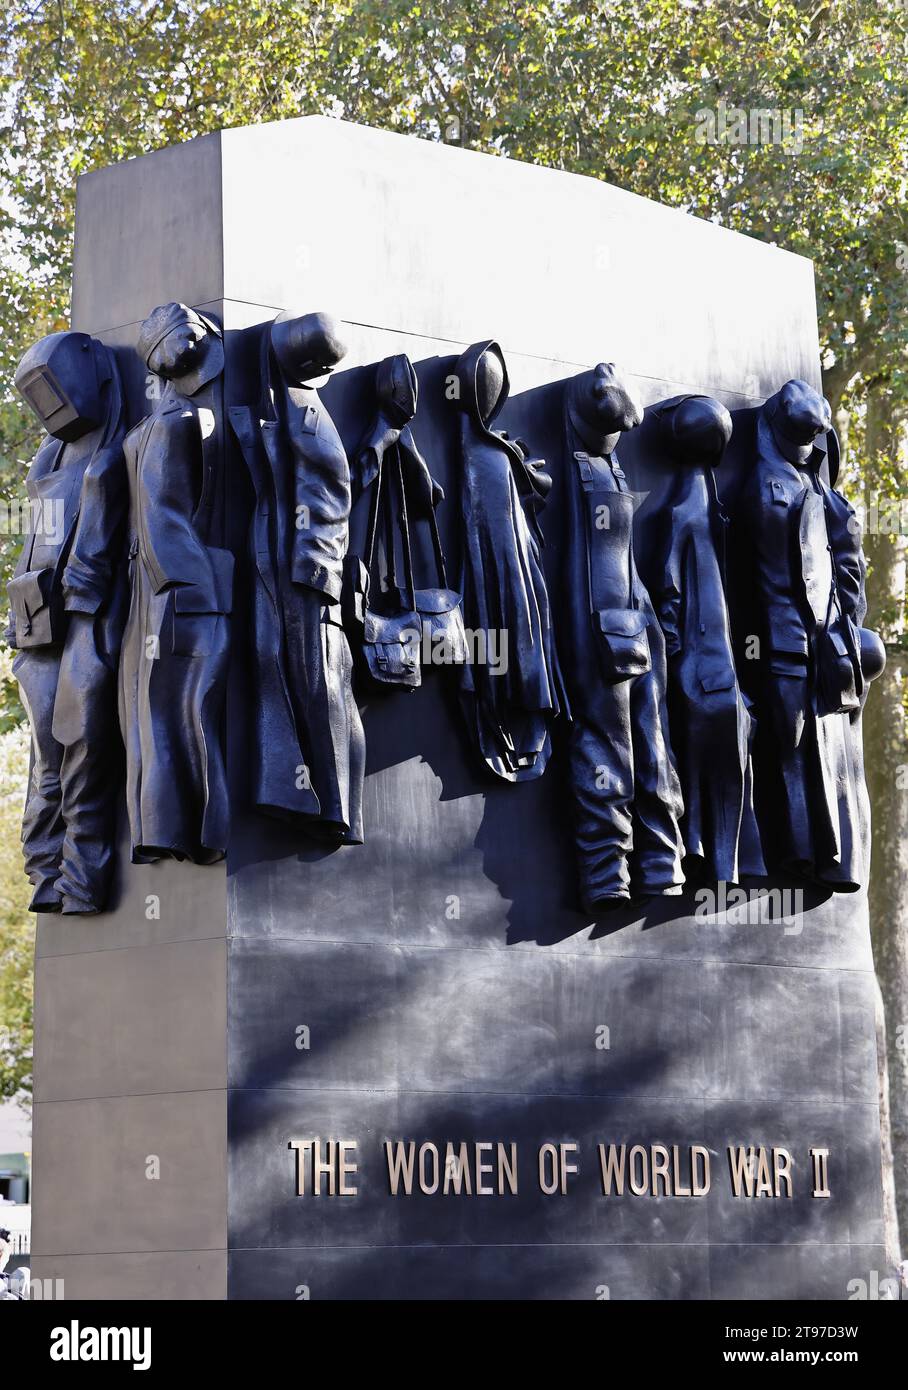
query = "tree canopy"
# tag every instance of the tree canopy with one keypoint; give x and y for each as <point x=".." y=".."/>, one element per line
<point x="607" y="89"/>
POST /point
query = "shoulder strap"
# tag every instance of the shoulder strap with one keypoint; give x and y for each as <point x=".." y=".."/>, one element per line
<point x="372" y="523"/>
<point x="386" y="492"/>
<point x="404" y="532"/>
<point x="597" y="493"/>
<point x="436" y="547"/>
<point x="432" y="520"/>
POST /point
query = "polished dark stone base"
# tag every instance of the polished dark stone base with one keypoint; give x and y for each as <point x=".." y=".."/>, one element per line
<point x="528" y="1272"/>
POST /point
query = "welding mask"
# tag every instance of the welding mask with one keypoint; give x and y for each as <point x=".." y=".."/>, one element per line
<point x="60" y="380"/>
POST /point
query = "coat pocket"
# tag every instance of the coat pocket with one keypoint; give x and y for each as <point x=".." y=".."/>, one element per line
<point x="784" y="663"/>
<point x="37" y="608"/>
<point x="198" y="609"/>
<point x="195" y="634"/>
<point x="214" y="596"/>
<point x="622" y="643"/>
<point x="717" y="678"/>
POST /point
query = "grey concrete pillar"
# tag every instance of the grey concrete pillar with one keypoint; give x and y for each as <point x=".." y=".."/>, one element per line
<point x="450" y="988"/>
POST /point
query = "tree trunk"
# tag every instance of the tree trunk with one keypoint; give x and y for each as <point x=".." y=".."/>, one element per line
<point x="890" y="1200"/>
<point x="886" y="759"/>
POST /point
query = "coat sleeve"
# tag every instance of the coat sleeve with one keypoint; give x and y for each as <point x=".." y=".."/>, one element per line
<point x="98" y="542"/>
<point x="322" y="512"/>
<point x="847" y="555"/>
<point x="668" y="596"/>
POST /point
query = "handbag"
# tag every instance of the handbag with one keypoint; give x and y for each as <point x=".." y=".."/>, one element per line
<point x="391" y="634"/>
<point x="440" y="611"/>
<point x="838" y="665"/>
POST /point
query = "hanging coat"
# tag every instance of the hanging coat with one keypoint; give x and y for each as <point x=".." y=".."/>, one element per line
<point x="627" y="800"/>
<point x="807" y="767"/>
<point x="709" y="719"/>
<point x="37" y="630"/>
<point x="175" y="648"/>
<point x="67" y="628"/>
<point x="96" y="597"/>
<point x="309" y="746"/>
<point x="510" y="715"/>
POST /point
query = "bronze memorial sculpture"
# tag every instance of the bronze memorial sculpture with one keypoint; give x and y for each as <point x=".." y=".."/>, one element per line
<point x="711" y="726"/>
<point x="511" y="704"/>
<point x="456" y="738"/>
<point x="627" y="801"/>
<point x="660" y="745"/>
<point x="176" y="644"/>
<point x="818" y="659"/>
<point x="67" y="614"/>
<point x="394" y="624"/>
<point x="308" y="738"/>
